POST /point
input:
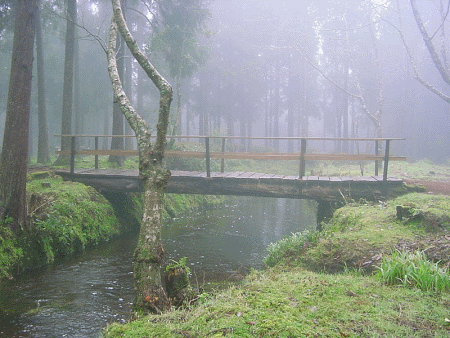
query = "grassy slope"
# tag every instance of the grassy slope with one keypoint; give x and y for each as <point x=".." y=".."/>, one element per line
<point x="300" y="296"/>
<point x="292" y="302"/>
<point x="65" y="218"/>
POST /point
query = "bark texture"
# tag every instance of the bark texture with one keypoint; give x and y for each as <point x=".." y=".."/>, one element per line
<point x="13" y="161"/>
<point x="67" y="104"/>
<point x="43" y="155"/>
<point x="149" y="291"/>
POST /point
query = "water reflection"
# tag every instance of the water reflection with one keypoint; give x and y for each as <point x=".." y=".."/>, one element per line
<point x="78" y="298"/>
<point x="74" y="299"/>
<point x="235" y="237"/>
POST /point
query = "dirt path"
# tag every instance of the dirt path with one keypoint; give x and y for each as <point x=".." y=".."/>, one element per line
<point x="433" y="187"/>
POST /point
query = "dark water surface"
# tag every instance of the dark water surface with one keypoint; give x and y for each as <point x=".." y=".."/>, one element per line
<point x="80" y="297"/>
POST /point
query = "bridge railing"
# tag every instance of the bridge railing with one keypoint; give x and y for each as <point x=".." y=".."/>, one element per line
<point x="302" y="156"/>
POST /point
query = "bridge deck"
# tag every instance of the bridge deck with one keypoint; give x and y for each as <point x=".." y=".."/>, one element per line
<point x="243" y="183"/>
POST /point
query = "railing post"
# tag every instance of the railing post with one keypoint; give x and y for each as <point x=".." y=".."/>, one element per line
<point x="208" y="160"/>
<point x="222" y="160"/>
<point x="96" y="156"/>
<point x="386" y="161"/>
<point x="302" y="159"/>
<point x="72" y="155"/>
<point x="376" y="161"/>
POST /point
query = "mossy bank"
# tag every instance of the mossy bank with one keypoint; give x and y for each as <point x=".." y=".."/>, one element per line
<point x="328" y="284"/>
<point x="66" y="218"/>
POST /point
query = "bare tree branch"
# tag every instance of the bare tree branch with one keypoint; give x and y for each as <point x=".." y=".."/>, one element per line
<point x="417" y="75"/>
<point x="429" y="44"/>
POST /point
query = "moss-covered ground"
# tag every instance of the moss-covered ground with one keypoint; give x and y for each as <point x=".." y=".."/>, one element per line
<point x="326" y="284"/>
<point x="65" y="218"/>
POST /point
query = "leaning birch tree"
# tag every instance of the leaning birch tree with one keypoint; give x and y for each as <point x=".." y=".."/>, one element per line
<point x="150" y="295"/>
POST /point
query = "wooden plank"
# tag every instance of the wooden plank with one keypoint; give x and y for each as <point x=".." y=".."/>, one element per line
<point x="311" y="178"/>
<point x="242" y="156"/>
<point x="234" y="175"/>
<point x="257" y="176"/>
<point x="290" y="178"/>
<point x="363" y="179"/>
<point x="245" y="175"/>
<point x="217" y="175"/>
<point x="266" y="176"/>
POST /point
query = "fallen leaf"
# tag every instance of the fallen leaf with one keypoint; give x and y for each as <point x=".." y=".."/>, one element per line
<point x="239" y="314"/>
<point x="250" y="323"/>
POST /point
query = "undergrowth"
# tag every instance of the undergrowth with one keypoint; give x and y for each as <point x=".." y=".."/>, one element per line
<point x="414" y="270"/>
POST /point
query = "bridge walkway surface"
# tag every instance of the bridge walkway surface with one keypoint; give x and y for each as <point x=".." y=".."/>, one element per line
<point x="320" y="188"/>
<point x="244" y="184"/>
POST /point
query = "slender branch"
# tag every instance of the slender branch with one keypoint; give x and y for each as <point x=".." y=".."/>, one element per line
<point x="97" y="38"/>
<point x="429" y="44"/>
<point x="444" y="18"/>
<point x="165" y="89"/>
<point x="136" y="122"/>
<point x="359" y="96"/>
<point x="417" y="75"/>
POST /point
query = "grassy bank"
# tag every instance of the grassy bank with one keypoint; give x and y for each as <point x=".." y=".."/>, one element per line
<point x="66" y="218"/>
<point x="293" y="302"/>
<point x="329" y="284"/>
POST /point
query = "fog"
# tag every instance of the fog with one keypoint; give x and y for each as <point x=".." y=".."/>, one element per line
<point x="343" y="68"/>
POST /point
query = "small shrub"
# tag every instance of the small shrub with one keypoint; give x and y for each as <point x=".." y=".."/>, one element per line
<point x="413" y="269"/>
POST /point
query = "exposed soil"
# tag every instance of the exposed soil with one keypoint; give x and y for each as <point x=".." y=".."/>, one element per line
<point x="433" y="187"/>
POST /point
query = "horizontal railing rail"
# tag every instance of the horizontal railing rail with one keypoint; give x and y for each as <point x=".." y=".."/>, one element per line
<point x="301" y="156"/>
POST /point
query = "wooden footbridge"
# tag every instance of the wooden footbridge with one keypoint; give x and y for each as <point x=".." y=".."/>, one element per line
<point x="301" y="186"/>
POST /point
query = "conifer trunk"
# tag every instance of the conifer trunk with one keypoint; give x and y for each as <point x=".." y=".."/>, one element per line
<point x="13" y="160"/>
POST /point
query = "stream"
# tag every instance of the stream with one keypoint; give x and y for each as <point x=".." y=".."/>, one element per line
<point x="79" y="297"/>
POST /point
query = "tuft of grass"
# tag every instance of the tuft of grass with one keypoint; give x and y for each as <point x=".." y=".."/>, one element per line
<point x="413" y="269"/>
<point x="288" y="246"/>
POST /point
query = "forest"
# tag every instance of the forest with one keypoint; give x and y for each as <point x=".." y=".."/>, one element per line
<point x="161" y="68"/>
<point x="338" y="68"/>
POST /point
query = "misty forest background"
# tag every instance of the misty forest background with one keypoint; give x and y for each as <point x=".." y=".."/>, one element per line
<point x="326" y="68"/>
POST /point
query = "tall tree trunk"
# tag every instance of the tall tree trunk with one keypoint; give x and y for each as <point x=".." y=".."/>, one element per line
<point x="13" y="160"/>
<point x="291" y="107"/>
<point x="117" y="143"/>
<point x="150" y="294"/>
<point x="79" y="115"/>
<point x="67" y="104"/>
<point x="43" y="156"/>
<point x="276" y="107"/>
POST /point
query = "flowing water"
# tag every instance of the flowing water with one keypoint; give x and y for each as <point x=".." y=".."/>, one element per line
<point x="81" y="296"/>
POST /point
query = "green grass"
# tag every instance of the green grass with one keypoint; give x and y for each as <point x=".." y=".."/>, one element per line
<point x="359" y="235"/>
<point x="413" y="269"/>
<point x="67" y="217"/>
<point x="289" y="246"/>
<point x="300" y="303"/>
